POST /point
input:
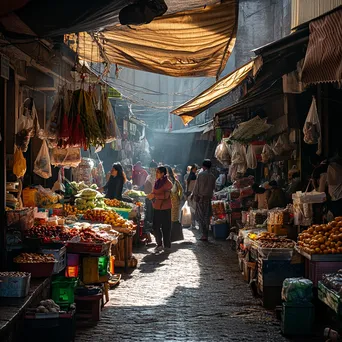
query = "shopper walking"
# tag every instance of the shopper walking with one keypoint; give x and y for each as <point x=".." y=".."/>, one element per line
<point x="190" y="185"/>
<point x="161" y="201"/>
<point x="202" y="194"/>
<point x="114" y="186"/>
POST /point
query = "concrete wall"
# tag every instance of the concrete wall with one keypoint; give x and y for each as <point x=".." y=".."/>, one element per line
<point x="260" y="22"/>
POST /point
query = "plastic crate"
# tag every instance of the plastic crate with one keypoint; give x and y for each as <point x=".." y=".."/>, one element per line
<point x="103" y="264"/>
<point x="15" y="286"/>
<point x="314" y="270"/>
<point x="60" y="256"/>
<point x="274" y="272"/>
<point x="57" y="327"/>
<point x="330" y="298"/>
<point x="123" y="212"/>
<point x="297" y="319"/>
<point x="220" y="231"/>
<point x="73" y="259"/>
<point x="72" y="271"/>
<point x="63" y="290"/>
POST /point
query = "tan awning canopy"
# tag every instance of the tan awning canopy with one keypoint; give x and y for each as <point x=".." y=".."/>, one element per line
<point x="192" y="43"/>
<point x="323" y="59"/>
<point x="209" y="97"/>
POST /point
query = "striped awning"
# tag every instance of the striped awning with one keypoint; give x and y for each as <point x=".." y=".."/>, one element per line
<point x="323" y="59"/>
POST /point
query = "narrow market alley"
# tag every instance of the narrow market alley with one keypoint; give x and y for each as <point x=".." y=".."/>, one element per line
<point x="196" y="293"/>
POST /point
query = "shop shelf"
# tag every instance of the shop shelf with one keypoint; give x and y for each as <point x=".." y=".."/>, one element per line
<point x="60" y="256"/>
<point x="57" y="326"/>
<point x="297" y="319"/>
<point x="63" y="290"/>
<point x="15" y="286"/>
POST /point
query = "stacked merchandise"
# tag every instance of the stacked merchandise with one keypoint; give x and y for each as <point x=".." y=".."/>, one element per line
<point x="240" y="197"/>
<point x="219" y="224"/>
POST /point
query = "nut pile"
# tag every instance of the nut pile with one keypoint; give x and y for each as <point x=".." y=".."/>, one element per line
<point x="34" y="258"/>
<point x="277" y="244"/>
<point x="14" y="274"/>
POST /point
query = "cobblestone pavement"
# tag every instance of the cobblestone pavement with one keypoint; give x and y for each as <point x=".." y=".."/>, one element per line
<point x="196" y="293"/>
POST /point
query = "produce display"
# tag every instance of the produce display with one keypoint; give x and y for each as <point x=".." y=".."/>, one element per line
<point x="34" y="258"/>
<point x="270" y="240"/>
<point x="14" y="274"/>
<point x="297" y="290"/>
<point x="333" y="281"/>
<point x="89" y="199"/>
<point x="134" y="193"/>
<point x="109" y="217"/>
<point x="62" y="233"/>
<point x="47" y="305"/>
<point x="71" y="210"/>
<point x="116" y="203"/>
<point x="81" y="186"/>
<point x="46" y="198"/>
<point x="322" y="239"/>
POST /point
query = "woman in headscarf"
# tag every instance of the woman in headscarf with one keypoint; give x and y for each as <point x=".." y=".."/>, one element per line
<point x="139" y="175"/>
<point x="148" y="188"/>
<point x="161" y="201"/>
<point x="114" y="186"/>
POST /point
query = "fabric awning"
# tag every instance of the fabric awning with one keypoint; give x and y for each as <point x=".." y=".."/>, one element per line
<point x="323" y="60"/>
<point x="212" y="95"/>
<point x="204" y="128"/>
<point x="192" y="43"/>
<point x="53" y="18"/>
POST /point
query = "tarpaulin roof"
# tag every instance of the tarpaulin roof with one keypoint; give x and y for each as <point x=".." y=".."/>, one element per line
<point x="192" y="43"/>
<point x="52" y="18"/>
<point x="213" y="94"/>
<point x="323" y="60"/>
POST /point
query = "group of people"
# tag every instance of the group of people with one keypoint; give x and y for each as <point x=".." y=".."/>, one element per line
<point x="165" y="194"/>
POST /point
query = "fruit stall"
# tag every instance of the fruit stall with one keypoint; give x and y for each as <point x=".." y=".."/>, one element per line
<point x="78" y="242"/>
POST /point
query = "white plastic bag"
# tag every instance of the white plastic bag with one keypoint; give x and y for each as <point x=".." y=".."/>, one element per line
<point x="266" y="154"/>
<point x="252" y="162"/>
<point x="312" y="127"/>
<point x="42" y="165"/>
<point x="186" y="215"/>
<point x="70" y="157"/>
<point x="222" y="154"/>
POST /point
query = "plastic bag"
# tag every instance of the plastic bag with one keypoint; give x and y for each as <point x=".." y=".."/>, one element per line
<point x="186" y="215"/>
<point x="266" y="153"/>
<point x="70" y="157"/>
<point x="27" y="124"/>
<point x="251" y="158"/>
<point x="19" y="163"/>
<point x="297" y="290"/>
<point x="222" y="154"/>
<point x="42" y="165"/>
<point x="312" y="127"/>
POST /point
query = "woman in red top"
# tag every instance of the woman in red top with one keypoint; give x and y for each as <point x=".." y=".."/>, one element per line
<point x="139" y="175"/>
<point x="161" y="202"/>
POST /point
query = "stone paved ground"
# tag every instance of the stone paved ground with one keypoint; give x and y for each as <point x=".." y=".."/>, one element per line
<point x="194" y="294"/>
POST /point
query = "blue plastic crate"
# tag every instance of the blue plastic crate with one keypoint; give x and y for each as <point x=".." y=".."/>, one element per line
<point x="220" y="231"/>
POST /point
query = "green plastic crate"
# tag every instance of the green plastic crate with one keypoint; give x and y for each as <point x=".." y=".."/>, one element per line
<point x="297" y="319"/>
<point x="63" y="290"/>
<point x="103" y="265"/>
